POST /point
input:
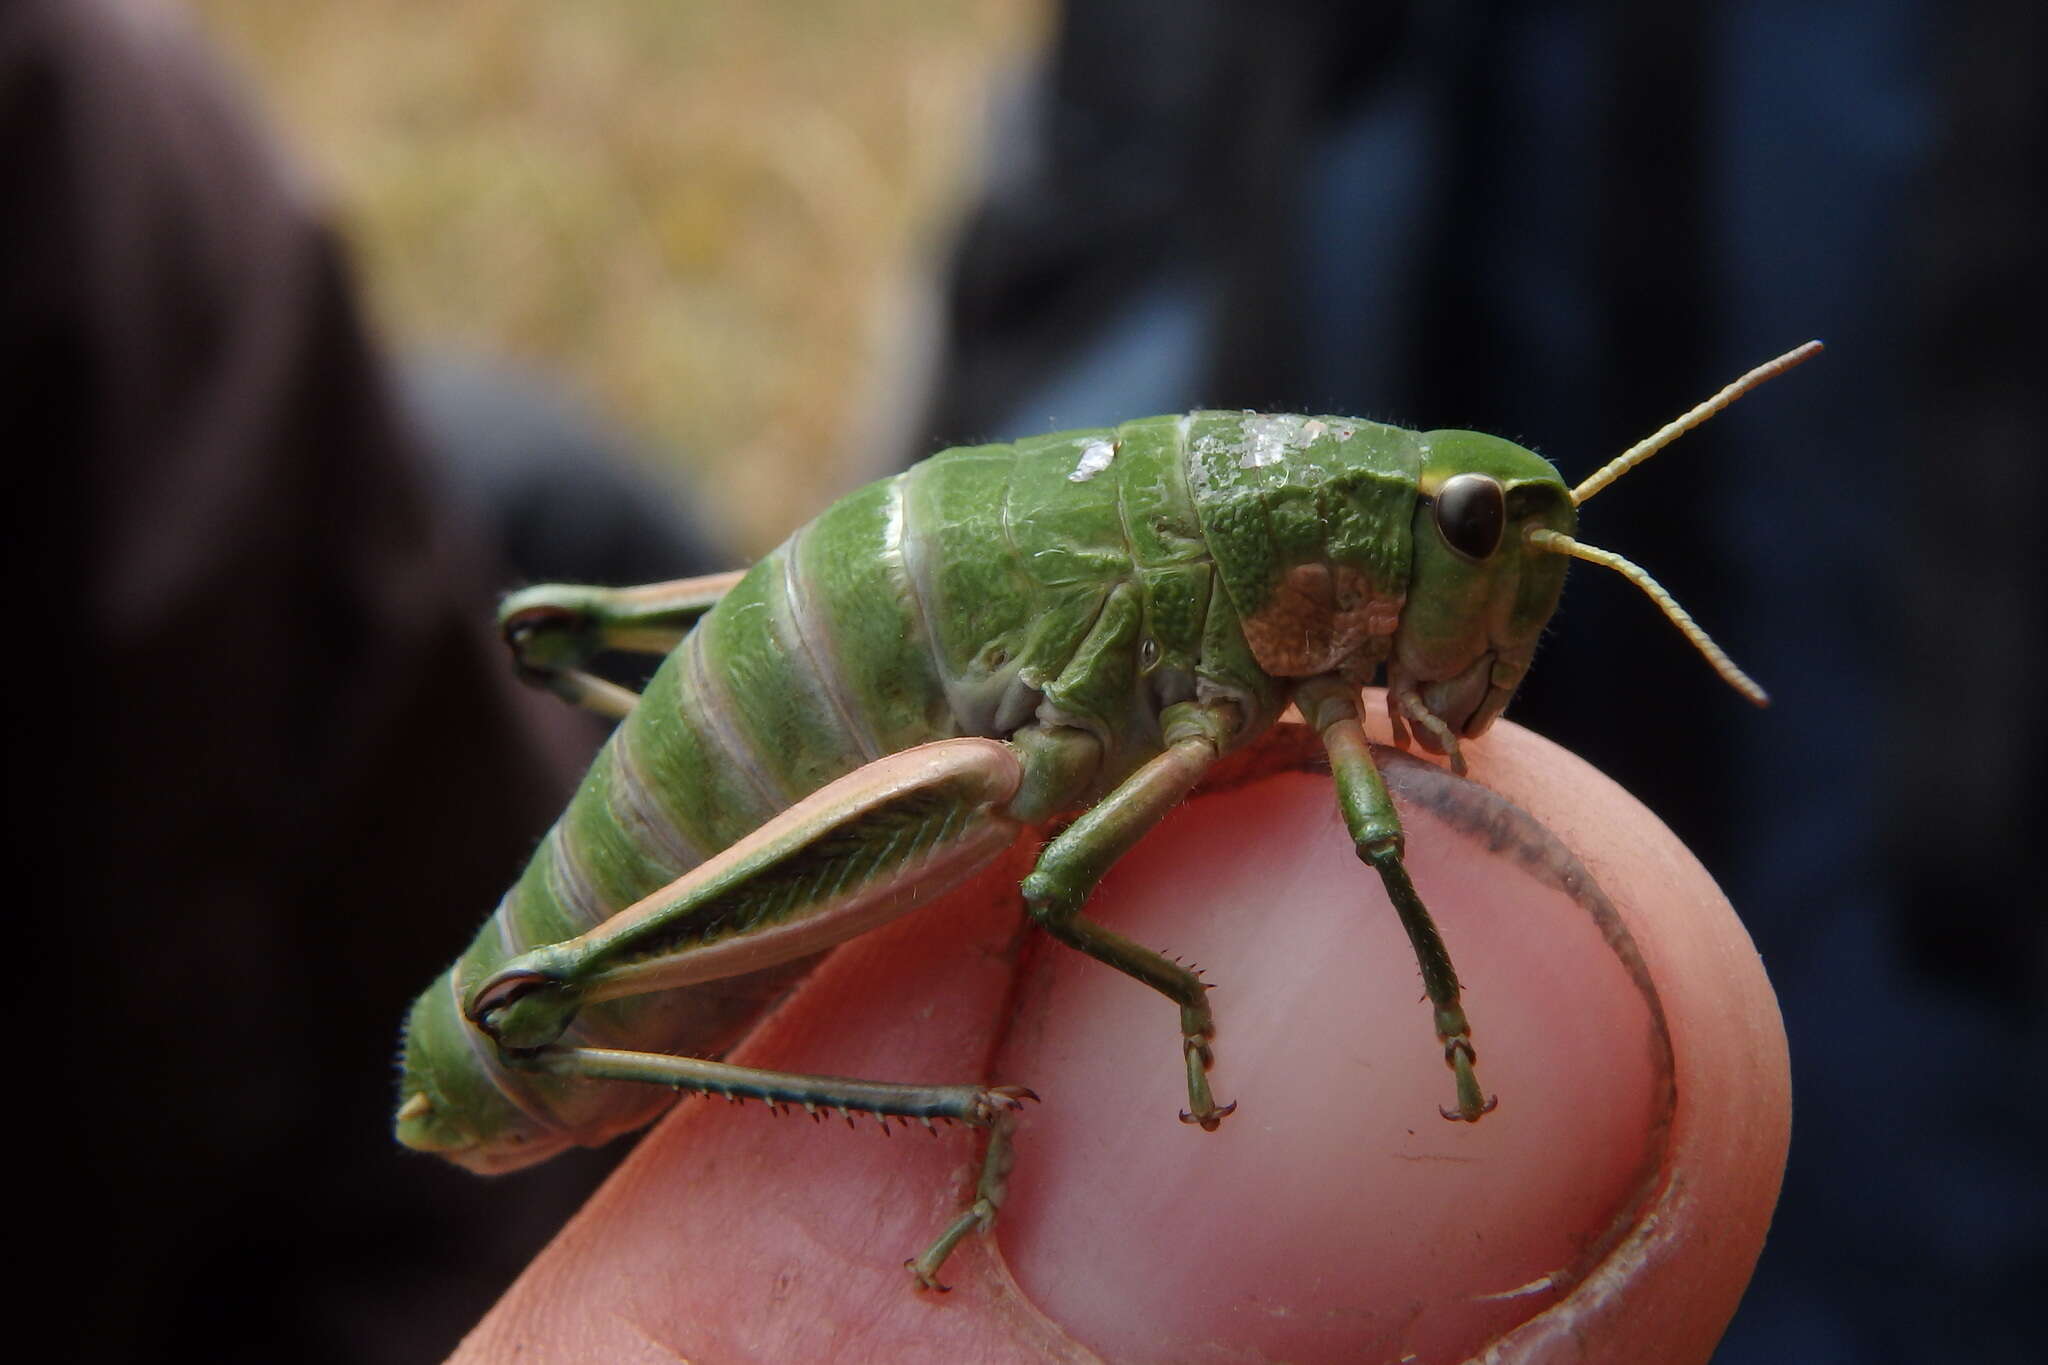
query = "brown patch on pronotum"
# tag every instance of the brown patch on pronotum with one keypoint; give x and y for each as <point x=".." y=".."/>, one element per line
<point x="1316" y="618"/>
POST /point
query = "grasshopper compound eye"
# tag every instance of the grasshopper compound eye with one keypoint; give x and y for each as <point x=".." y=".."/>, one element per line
<point x="1471" y="511"/>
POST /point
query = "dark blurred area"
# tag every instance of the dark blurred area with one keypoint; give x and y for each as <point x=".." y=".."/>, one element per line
<point x="268" y="769"/>
<point x="1565" y="223"/>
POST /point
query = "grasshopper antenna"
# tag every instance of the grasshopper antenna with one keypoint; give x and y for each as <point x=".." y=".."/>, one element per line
<point x="1671" y="431"/>
<point x="1556" y="542"/>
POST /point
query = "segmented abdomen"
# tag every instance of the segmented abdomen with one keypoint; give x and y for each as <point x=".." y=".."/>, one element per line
<point x="983" y="588"/>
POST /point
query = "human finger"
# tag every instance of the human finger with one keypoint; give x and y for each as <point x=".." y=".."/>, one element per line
<point x="1615" y="1201"/>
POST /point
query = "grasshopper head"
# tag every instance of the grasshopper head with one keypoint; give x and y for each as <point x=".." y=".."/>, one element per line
<point x="1478" y="595"/>
<point x="451" y="1101"/>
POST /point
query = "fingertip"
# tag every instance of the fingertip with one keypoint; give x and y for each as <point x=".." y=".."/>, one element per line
<point x="1668" y="1291"/>
<point x="1335" y="1217"/>
<point x="1610" y="1208"/>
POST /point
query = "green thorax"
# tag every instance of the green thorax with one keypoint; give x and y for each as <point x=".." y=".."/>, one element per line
<point x="1068" y="577"/>
<point x="1308" y="520"/>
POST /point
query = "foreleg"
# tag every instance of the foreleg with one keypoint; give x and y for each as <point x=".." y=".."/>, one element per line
<point x="1331" y="706"/>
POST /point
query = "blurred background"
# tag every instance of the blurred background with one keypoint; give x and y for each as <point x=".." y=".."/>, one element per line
<point x="345" y="317"/>
<point x="718" y="224"/>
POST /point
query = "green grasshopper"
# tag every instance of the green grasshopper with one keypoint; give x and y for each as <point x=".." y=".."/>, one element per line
<point x="993" y="641"/>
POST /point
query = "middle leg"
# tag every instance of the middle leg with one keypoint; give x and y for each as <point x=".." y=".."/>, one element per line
<point x="1073" y="863"/>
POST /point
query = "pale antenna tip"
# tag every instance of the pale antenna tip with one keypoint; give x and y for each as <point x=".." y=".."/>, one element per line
<point x="1672" y="430"/>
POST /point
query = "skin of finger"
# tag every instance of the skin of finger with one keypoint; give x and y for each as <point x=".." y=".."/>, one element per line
<point x="730" y="1235"/>
<point x="1334" y="1218"/>
<point x="1667" y="1294"/>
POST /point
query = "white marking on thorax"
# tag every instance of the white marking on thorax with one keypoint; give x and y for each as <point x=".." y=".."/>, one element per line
<point x="1095" y="457"/>
<point x="1269" y="437"/>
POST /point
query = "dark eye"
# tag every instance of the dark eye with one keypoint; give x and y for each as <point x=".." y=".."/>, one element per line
<point x="1471" y="512"/>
